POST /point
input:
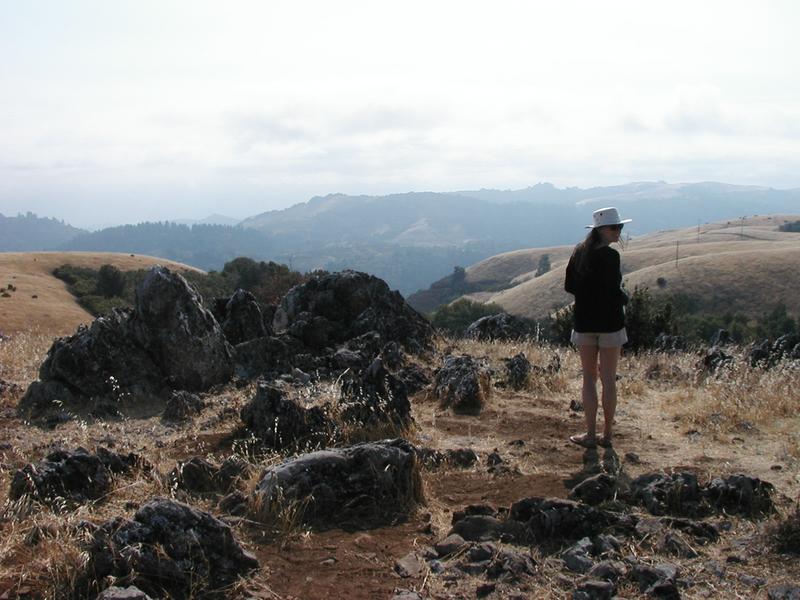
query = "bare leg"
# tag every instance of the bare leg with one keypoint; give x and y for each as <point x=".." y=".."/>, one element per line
<point x="609" y="357"/>
<point x="589" y="394"/>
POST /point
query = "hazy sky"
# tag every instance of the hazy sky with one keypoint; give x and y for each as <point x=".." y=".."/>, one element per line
<point x="120" y="111"/>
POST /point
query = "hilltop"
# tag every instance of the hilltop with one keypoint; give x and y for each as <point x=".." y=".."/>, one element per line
<point x="40" y="301"/>
<point x="743" y="266"/>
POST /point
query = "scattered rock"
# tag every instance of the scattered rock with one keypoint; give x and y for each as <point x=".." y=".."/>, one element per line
<point x="167" y="548"/>
<point x="463" y="384"/>
<point x="356" y="487"/>
<point x="409" y="566"/>
<point x="449" y="545"/>
<point x="716" y="358"/>
<point x="608" y="570"/>
<point x="501" y="326"/>
<point x="280" y="422"/>
<point x="662" y="494"/>
<point x="741" y="494"/>
<point x="510" y="566"/>
<point x="593" y="589"/>
<point x="595" y="490"/>
<point x="336" y="307"/>
<point x="243" y="320"/>
<point x="462" y="458"/>
<point x="518" y="369"/>
<point x="414" y="377"/>
<point x="182" y="406"/>
<point x="376" y="397"/>
<point x="200" y="476"/>
<point x="676" y="545"/>
<point x="64" y="478"/>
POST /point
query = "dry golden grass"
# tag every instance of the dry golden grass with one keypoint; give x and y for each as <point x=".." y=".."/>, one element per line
<point x="734" y="268"/>
<point x="661" y="398"/>
<point x="54" y="310"/>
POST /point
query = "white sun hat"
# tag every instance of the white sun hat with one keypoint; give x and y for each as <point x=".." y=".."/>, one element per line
<point x="607" y="216"/>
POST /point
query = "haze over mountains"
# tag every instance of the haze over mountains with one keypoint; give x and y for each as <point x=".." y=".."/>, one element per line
<point x="413" y="239"/>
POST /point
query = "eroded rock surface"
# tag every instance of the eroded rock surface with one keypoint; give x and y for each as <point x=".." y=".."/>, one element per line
<point x="354" y="487"/>
<point x="463" y="383"/>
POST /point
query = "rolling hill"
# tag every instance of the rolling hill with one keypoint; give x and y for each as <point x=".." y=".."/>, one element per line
<point x="744" y="266"/>
<point x="40" y="301"/>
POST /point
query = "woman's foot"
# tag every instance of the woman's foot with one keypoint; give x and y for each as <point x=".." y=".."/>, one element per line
<point x="585" y="440"/>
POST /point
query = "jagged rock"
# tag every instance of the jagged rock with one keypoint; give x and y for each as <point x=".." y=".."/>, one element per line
<point x="518" y="368"/>
<point x="354" y="487"/>
<point x="168" y="548"/>
<point x="449" y="545"/>
<point x="716" y="358"/>
<point x="183" y="338"/>
<point x="662" y="494"/>
<point x="280" y="422"/>
<point x="243" y="320"/>
<point x="181" y="406"/>
<point x="595" y="490"/>
<point x="70" y="477"/>
<point x="741" y="494"/>
<point x="44" y="399"/>
<point x="409" y="566"/>
<point x="669" y="343"/>
<point x="456" y="457"/>
<point x="463" y="383"/>
<point x="200" y="476"/>
<point x="608" y="570"/>
<point x="168" y="341"/>
<point x="414" y="377"/>
<point x="405" y="595"/>
<point x="268" y="356"/>
<point x="375" y="397"/>
<point x="511" y="566"/>
<point x="593" y="589"/>
<point x="127" y="593"/>
<point x="767" y="354"/>
<point x="701" y="531"/>
<point x="336" y="307"/>
<point x="392" y="355"/>
<point x="554" y="520"/>
<point x="676" y="545"/>
<point x="501" y="326"/>
<point x="657" y="581"/>
<point x="552" y="367"/>
<point x="577" y="557"/>
<point x="721" y="337"/>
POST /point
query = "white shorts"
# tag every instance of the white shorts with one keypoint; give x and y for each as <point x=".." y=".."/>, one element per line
<point x="602" y="340"/>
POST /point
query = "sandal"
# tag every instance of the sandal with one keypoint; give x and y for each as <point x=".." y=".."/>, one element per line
<point x="583" y="440"/>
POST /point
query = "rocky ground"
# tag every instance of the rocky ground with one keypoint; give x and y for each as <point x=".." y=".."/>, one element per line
<point x="474" y="504"/>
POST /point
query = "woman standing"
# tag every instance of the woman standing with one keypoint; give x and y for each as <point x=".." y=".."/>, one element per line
<point x="594" y="278"/>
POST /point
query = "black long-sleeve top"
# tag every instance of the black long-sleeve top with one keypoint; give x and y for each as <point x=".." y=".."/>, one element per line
<point x="599" y="298"/>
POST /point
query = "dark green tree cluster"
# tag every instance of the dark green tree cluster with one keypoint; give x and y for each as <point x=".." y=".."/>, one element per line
<point x="793" y="227"/>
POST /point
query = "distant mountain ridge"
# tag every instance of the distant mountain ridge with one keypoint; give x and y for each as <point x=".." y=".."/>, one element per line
<point x="29" y="232"/>
<point x="415" y="238"/>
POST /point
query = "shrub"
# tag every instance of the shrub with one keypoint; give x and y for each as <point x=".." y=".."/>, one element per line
<point x="786" y="533"/>
<point x="544" y="265"/>
<point x="110" y="281"/>
<point x="792" y="227"/>
<point x="456" y="317"/>
<point x="645" y="319"/>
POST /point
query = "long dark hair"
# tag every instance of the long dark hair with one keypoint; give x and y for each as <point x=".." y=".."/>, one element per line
<point x="581" y="251"/>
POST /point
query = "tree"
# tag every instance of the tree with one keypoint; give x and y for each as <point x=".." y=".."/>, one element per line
<point x="110" y="281"/>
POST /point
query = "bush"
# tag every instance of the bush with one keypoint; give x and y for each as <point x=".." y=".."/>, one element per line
<point x="786" y="533"/>
<point x="110" y="281"/>
<point x="559" y="326"/>
<point x="544" y="265"/>
<point x="792" y="227"/>
<point x="456" y="317"/>
<point x="646" y="318"/>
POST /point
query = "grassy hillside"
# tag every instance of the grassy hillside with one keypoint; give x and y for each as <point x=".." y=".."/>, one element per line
<point x="740" y="266"/>
<point x="41" y="301"/>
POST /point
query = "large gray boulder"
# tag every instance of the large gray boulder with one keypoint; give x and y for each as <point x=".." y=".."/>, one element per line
<point x="330" y="309"/>
<point x="356" y="487"/>
<point x="183" y="338"/>
<point x="375" y="397"/>
<point x="243" y="319"/>
<point x="169" y="550"/>
<point x="168" y="341"/>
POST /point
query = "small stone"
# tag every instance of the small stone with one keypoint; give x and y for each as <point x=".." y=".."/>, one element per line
<point x="633" y="458"/>
<point x="594" y="590"/>
<point x="449" y="545"/>
<point x="409" y="566"/>
<point x="485" y="589"/>
<point x="736" y="559"/>
<point x="715" y="567"/>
